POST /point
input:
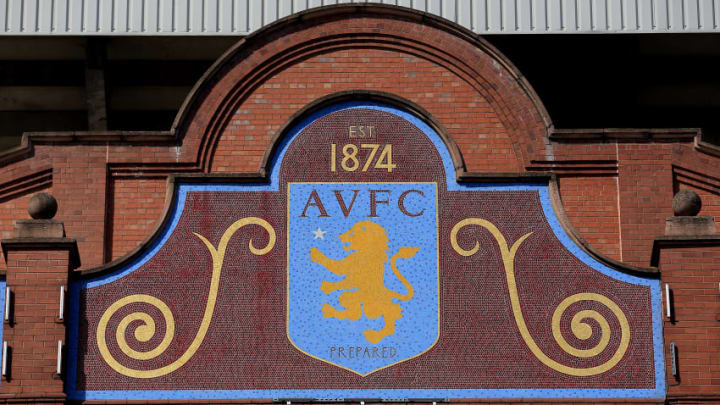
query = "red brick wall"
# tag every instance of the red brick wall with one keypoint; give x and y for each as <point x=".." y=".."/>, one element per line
<point x="701" y="175"/>
<point x="15" y="208"/>
<point x="79" y="175"/>
<point x="694" y="277"/>
<point x="646" y="193"/>
<point x="710" y="200"/>
<point x="137" y="205"/>
<point x="591" y="204"/>
<point x="79" y="183"/>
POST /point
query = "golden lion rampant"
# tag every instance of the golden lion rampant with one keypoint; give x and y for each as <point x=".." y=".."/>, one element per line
<point x="364" y="269"/>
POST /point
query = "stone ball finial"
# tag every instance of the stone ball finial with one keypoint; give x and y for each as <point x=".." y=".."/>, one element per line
<point x="42" y="206"/>
<point x="686" y="203"/>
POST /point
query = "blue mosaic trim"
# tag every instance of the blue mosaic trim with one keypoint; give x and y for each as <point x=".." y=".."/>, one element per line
<point x="558" y="230"/>
<point x="3" y="283"/>
<point x="388" y="394"/>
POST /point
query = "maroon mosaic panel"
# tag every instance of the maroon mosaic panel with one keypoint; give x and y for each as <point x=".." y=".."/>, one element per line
<point x="479" y="347"/>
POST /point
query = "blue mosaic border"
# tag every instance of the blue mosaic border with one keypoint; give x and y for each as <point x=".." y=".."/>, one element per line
<point x="558" y="229"/>
<point x="3" y="283"/>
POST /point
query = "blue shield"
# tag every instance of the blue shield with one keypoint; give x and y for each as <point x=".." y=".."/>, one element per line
<point x="363" y="272"/>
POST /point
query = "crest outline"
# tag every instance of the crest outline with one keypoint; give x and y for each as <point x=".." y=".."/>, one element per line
<point x="437" y="272"/>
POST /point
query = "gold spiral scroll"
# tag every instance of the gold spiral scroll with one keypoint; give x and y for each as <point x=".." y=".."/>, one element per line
<point x="580" y="329"/>
<point x="146" y="330"/>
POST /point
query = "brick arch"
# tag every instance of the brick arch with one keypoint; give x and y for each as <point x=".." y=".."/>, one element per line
<point x="489" y="109"/>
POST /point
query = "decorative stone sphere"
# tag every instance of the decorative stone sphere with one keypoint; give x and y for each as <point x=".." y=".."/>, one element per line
<point x="42" y="206"/>
<point x="686" y="203"/>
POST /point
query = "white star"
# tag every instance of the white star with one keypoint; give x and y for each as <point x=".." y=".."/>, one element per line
<point x="319" y="233"/>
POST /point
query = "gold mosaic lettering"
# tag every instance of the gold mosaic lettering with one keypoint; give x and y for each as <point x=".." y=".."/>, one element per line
<point x="361" y="131"/>
<point x="350" y="161"/>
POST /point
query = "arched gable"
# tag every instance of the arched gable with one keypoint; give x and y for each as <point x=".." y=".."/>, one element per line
<point x="236" y="111"/>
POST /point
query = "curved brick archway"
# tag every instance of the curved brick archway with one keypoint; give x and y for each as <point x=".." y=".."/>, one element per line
<point x="488" y="109"/>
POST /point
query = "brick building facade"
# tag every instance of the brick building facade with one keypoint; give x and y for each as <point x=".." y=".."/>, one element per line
<point x="116" y="191"/>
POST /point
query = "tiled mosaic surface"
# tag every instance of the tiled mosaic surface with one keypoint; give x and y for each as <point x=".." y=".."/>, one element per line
<point x="3" y="284"/>
<point x="457" y="336"/>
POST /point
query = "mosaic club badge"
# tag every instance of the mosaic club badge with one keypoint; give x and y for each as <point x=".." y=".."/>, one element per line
<point x="362" y="272"/>
<point x="339" y="255"/>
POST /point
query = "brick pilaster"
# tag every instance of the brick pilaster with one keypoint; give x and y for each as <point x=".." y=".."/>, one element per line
<point x="38" y="264"/>
<point x="690" y="265"/>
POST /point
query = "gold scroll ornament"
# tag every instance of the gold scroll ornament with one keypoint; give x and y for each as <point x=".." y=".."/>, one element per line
<point x="146" y="330"/>
<point x="580" y="329"/>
